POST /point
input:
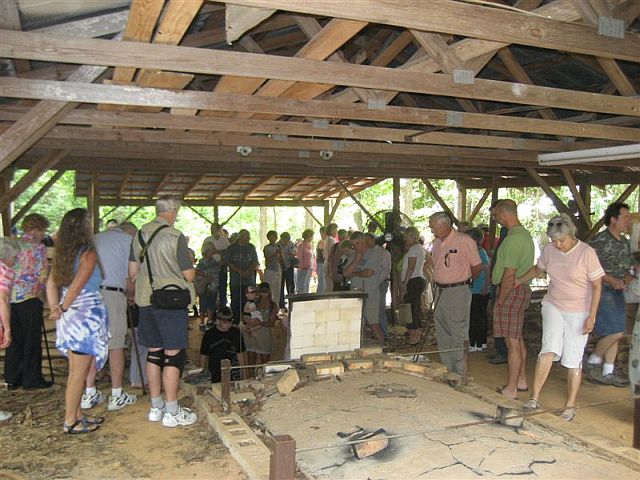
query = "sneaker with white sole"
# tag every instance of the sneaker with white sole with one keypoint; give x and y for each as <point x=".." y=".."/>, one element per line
<point x="183" y="418"/>
<point x="117" y="403"/>
<point x="90" y="401"/>
<point x="155" y="414"/>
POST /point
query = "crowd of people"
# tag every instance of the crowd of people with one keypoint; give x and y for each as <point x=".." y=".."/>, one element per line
<point x="99" y="286"/>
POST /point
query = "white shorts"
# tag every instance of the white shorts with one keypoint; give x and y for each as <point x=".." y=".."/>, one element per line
<point x="116" y="303"/>
<point x="562" y="335"/>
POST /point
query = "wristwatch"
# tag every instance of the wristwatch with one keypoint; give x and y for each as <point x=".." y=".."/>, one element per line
<point x="62" y="308"/>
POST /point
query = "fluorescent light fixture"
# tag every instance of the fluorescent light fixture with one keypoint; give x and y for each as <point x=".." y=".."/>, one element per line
<point x="607" y="154"/>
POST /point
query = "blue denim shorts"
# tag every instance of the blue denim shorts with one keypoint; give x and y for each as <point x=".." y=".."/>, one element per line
<point x="165" y="329"/>
<point x="208" y="300"/>
<point x="610" y="318"/>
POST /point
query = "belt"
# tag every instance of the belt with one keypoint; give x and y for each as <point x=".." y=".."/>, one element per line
<point x="451" y="285"/>
<point x="113" y="289"/>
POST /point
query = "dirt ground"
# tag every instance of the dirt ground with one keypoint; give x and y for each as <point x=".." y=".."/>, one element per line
<point x="33" y="446"/>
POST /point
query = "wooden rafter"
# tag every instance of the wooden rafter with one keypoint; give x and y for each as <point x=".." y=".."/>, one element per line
<point x="582" y="208"/>
<point x="294" y="184"/>
<point x="226" y="187"/>
<point x="169" y="57"/>
<point x="123" y="185"/>
<point x="193" y="185"/>
<point x="470" y="21"/>
<point x="163" y="182"/>
<point x="64" y="91"/>
<point x="258" y="185"/>
<point x="480" y="204"/>
<point x="312" y="191"/>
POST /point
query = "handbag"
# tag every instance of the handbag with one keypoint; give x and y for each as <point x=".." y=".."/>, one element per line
<point x="169" y="297"/>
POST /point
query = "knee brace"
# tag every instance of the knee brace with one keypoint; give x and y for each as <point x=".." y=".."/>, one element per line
<point x="177" y="361"/>
<point x="157" y="358"/>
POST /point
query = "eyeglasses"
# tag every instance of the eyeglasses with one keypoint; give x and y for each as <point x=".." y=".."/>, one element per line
<point x="555" y="224"/>
<point x="447" y="260"/>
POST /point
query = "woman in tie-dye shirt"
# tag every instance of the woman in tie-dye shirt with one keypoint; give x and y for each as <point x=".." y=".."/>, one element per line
<point x="81" y="328"/>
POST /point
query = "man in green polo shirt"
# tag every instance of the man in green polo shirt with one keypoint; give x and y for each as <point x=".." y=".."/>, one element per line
<point x="513" y="259"/>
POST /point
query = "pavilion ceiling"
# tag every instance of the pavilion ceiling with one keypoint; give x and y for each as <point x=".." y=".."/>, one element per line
<point x="157" y="97"/>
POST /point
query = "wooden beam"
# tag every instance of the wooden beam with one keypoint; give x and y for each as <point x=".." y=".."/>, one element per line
<point x="584" y="212"/>
<point x="495" y="196"/>
<point x="192" y="60"/>
<point x="557" y="202"/>
<point x="163" y="182"/>
<point x="10" y="20"/>
<point x="295" y="183"/>
<point x="117" y="95"/>
<point x="239" y="20"/>
<point x="596" y="228"/>
<point x="191" y="187"/>
<point x="470" y="21"/>
<point x="123" y="185"/>
<point x="226" y="187"/>
<point x="204" y="217"/>
<point x="215" y="124"/>
<point x="315" y="188"/>
<point x="396" y="195"/>
<point x="90" y="27"/>
<point x="45" y="163"/>
<point x="311" y="213"/>
<point x="480" y="204"/>
<point x="334" y="209"/>
<point x="40" y="119"/>
<point x="462" y="202"/>
<point x="258" y="185"/>
<point x="359" y="204"/>
<point x="107" y="201"/>
<point x="37" y="196"/>
<point x="93" y="202"/>
<point x="5" y="185"/>
<point x="434" y="193"/>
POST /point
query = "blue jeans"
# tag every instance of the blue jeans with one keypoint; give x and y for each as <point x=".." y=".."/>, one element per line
<point x="610" y="318"/>
<point x="384" y="286"/>
<point x="303" y="278"/>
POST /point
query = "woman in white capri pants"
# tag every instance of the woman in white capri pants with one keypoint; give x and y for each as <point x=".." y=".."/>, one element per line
<point x="568" y="309"/>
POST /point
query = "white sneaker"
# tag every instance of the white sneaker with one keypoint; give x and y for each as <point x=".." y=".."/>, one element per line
<point x="156" y="414"/>
<point x="90" y="401"/>
<point x="184" y="417"/>
<point x="117" y="403"/>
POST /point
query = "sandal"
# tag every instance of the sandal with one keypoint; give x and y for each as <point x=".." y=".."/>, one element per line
<point x="79" y="427"/>
<point x="92" y="420"/>
<point x="500" y="390"/>
<point x="568" y="414"/>
<point x="531" y="404"/>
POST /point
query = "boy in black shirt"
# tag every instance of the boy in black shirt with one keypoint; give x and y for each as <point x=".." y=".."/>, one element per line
<point x="224" y="341"/>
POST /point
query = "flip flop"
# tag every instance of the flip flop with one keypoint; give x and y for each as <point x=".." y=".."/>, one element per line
<point x="500" y="391"/>
<point x="79" y="427"/>
<point x="92" y="420"/>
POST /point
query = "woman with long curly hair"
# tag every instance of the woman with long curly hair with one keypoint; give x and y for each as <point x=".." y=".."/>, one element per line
<point x="81" y="317"/>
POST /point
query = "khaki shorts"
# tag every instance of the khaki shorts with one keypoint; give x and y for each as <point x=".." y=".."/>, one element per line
<point x="116" y="304"/>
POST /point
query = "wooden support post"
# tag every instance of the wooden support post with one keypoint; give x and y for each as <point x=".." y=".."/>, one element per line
<point x="38" y="195"/>
<point x="357" y="202"/>
<point x="216" y="214"/>
<point x="199" y="214"/>
<point x="465" y="364"/>
<point x="636" y="417"/>
<point x="396" y="195"/>
<point x="325" y="213"/>
<point x="480" y="204"/>
<point x="438" y="198"/>
<point x="495" y="191"/>
<point x="461" y="209"/>
<point x="5" y="186"/>
<point x="93" y="203"/>
<point x="282" y="465"/>
<point x="628" y="191"/>
<point x="225" y="370"/>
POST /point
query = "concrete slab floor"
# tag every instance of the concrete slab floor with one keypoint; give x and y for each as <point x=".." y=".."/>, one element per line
<point x="315" y="414"/>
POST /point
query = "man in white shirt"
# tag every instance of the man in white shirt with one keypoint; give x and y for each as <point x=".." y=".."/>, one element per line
<point x="219" y="243"/>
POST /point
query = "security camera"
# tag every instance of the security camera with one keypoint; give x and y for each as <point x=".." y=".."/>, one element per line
<point x="244" y="150"/>
<point x="326" y="154"/>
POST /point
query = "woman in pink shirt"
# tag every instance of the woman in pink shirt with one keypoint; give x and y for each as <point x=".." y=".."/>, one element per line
<point x="307" y="260"/>
<point x="569" y="308"/>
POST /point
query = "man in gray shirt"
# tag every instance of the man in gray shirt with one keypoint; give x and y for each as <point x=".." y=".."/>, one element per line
<point x="365" y="273"/>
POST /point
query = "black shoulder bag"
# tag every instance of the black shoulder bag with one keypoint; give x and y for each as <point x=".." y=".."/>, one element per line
<point x="169" y="297"/>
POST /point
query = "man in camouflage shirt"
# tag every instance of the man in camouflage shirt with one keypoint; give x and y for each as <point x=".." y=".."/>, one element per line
<point x="615" y="257"/>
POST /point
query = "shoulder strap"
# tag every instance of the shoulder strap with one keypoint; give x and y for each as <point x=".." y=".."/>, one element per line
<point x="145" y="250"/>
